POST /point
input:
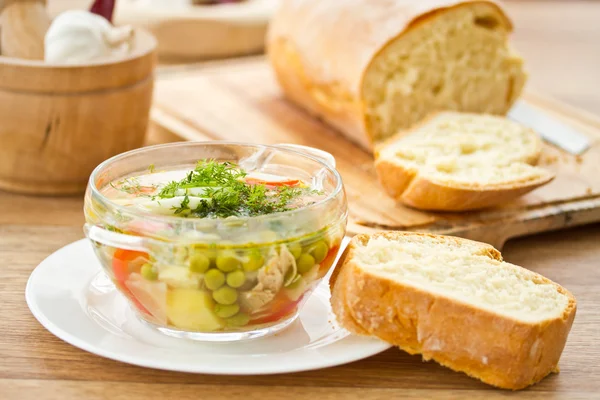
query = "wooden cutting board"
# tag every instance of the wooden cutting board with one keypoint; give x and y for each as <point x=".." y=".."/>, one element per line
<point x="240" y="101"/>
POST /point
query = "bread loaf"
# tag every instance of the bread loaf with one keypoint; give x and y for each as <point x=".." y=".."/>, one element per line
<point x="373" y="67"/>
<point x="454" y="301"/>
<point x="460" y="161"/>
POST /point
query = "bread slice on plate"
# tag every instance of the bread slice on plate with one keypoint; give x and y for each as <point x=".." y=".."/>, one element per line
<point x="461" y="161"/>
<point x="454" y="301"/>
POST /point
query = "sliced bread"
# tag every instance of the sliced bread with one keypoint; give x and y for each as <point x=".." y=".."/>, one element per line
<point x="454" y="301"/>
<point x="373" y="67"/>
<point x="460" y="161"/>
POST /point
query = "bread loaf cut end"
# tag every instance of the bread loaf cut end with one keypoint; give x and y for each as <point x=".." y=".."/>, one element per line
<point x="373" y="67"/>
<point x="455" y="59"/>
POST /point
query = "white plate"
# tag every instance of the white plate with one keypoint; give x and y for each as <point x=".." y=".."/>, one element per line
<point x="72" y="298"/>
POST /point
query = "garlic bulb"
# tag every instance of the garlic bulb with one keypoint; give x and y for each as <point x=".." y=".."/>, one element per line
<point x="77" y="36"/>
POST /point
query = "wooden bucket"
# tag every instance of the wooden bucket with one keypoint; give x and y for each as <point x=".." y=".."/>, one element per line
<point x="58" y="122"/>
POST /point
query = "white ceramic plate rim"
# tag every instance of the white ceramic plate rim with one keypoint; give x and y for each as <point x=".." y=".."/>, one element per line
<point x="365" y="347"/>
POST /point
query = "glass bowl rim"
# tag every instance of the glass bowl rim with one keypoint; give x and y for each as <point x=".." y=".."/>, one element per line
<point x="173" y="218"/>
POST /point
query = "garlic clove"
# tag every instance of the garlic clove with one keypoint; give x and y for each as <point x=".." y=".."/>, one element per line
<point x="120" y="38"/>
<point x="78" y="36"/>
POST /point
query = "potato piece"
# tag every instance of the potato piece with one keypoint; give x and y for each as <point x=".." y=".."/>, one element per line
<point x="192" y="309"/>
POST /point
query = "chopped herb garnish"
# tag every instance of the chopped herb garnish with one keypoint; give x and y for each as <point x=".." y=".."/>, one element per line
<point x="127" y="185"/>
<point x="151" y="168"/>
<point x="225" y="193"/>
<point x="132" y="186"/>
<point x="183" y="206"/>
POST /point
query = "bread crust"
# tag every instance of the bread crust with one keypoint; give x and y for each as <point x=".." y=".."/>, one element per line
<point x="495" y="349"/>
<point x="406" y="185"/>
<point x="322" y="70"/>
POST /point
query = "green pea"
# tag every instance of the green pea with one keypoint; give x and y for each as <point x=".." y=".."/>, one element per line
<point x="295" y="249"/>
<point x="226" y="262"/>
<point x="224" y="311"/>
<point x="236" y="279"/>
<point x="240" y="319"/>
<point x="254" y="261"/>
<point x="225" y="295"/>
<point x="208" y="251"/>
<point x="305" y="263"/>
<point x="148" y="272"/>
<point x="319" y="251"/>
<point x="199" y="263"/>
<point x="214" y="279"/>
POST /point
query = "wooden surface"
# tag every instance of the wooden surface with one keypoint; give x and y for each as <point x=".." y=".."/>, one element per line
<point x="559" y="40"/>
<point x="57" y="123"/>
<point x="24" y="24"/>
<point x="36" y="365"/>
<point x="241" y="101"/>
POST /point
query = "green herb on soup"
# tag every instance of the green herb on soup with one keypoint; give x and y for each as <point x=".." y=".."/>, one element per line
<point x="215" y="190"/>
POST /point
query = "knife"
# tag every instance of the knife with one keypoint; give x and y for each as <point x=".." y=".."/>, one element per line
<point x="551" y="130"/>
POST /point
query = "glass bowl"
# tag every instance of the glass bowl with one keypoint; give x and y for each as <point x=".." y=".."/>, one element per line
<point x="280" y="257"/>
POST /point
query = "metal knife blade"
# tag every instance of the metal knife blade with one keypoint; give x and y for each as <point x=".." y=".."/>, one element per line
<point x="550" y="129"/>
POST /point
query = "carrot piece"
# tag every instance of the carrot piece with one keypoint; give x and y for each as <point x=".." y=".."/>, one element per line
<point x="286" y="182"/>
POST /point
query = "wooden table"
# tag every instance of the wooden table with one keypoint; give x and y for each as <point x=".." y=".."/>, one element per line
<point x="560" y="40"/>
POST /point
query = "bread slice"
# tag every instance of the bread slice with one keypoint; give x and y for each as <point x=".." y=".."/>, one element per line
<point x="454" y="301"/>
<point x="373" y="67"/>
<point x="459" y="161"/>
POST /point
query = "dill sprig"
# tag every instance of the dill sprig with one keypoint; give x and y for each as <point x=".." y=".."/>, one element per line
<point x="183" y="206"/>
<point x="127" y="185"/>
<point x="132" y="186"/>
<point x="225" y="193"/>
